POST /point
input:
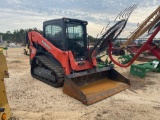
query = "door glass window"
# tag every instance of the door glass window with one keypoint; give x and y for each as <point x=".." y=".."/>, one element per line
<point x="74" y="31"/>
<point x="53" y="31"/>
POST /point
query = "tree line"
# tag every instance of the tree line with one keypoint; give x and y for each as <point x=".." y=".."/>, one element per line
<point x="17" y="36"/>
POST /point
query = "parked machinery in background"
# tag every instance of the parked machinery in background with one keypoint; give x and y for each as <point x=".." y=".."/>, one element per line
<point x="26" y="50"/>
<point x="150" y="27"/>
<point x="4" y="106"/>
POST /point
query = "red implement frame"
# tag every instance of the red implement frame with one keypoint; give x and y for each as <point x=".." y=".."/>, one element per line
<point x="147" y="46"/>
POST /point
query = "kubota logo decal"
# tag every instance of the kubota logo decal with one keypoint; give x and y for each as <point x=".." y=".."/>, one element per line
<point x="46" y="45"/>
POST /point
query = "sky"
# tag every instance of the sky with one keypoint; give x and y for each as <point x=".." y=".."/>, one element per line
<point x="17" y="14"/>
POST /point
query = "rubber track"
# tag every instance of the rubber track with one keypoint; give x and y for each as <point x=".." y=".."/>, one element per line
<point x="54" y="68"/>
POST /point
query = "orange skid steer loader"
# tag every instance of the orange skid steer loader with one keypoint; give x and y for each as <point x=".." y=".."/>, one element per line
<point x="61" y="57"/>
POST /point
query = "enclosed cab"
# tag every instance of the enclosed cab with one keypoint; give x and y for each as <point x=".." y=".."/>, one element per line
<point x="67" y="34"/>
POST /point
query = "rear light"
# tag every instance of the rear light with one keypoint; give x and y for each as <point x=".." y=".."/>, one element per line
<point x="4" y="116"/>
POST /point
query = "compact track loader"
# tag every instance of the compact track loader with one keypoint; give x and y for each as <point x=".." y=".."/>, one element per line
<point x="4" y="107"/>
<point x="62" y="57"/>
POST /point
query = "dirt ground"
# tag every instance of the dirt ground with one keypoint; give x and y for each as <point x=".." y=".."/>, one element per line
<point x="31" y="99"/>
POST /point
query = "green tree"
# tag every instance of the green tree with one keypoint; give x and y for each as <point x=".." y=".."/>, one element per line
<point x="18" y="36"/>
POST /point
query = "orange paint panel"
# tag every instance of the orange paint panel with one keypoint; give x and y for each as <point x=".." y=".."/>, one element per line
<point x="61" y="56"/>
<point x="76" y="67"/>
<point x="66" y="58"/>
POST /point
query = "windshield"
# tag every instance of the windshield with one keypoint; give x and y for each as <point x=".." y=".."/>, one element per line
<point x="74" y="31"/>
<point x="75" y="36"/>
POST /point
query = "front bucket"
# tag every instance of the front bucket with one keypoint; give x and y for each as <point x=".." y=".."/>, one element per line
<point x="92" y="86"/>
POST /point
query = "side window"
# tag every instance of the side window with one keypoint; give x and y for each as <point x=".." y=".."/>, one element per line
<point x="53" y="31"/>
<point x="56" y="31"/>
<point x="48" y="31"/>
